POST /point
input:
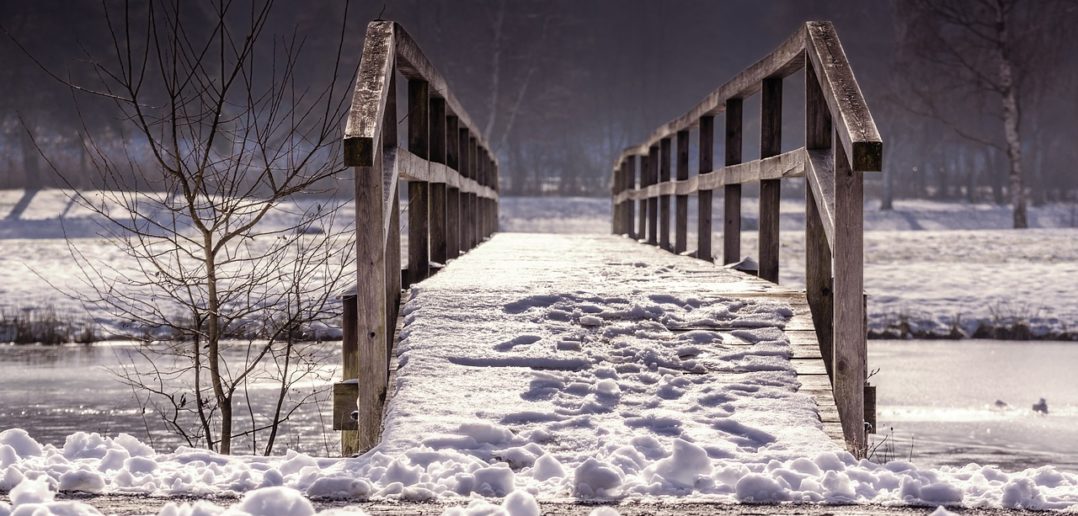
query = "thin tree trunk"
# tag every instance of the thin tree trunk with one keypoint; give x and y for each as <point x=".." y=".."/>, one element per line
<point x="224" y="399"/>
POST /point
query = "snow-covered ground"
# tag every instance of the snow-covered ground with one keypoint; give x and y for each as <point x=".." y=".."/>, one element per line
<point x="556" y="372"/>
<point x="931" y="269"/>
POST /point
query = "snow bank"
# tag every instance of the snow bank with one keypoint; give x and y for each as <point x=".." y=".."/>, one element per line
<point x="685" y="471"/>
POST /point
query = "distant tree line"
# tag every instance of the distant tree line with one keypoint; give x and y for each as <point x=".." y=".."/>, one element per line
<point x="560" y="87"/>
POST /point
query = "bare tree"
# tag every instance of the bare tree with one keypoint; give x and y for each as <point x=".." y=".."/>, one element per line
<point x="973" y="51"/>
<point x="231" y="255"/>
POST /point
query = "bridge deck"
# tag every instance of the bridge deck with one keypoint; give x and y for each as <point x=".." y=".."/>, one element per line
<point x="577" y="346"/>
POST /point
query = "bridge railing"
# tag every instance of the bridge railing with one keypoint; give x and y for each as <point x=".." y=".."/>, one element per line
<point x="841" y="141"/>
<point x="452" y="181"/>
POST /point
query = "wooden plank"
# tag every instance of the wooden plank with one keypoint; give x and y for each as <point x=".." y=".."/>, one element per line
<point x="415" y="168"/>
<point x="770" y="189"/>
<point x="852" y="120"/>
<point x="653" y="201"/>
<point x="850" y="357"/>
<point x="344" y="407"/>
<point x="349" y="366"/>
<point x="664" y="198"/>
<point x="786" y="165"/>
<point x="820" y="174"/>
<point x="681" y="208"/>
<point x="731" y="229"/>
<point x="418" y="194"/>
<point x="364" y="125"/>
<point x="439" y="249"/>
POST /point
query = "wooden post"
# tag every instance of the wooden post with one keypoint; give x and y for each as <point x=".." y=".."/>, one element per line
<point x="642" y="225"/>
<point x="494" y="202"/>
<point x="373" y="262"/>
<point x="452" y="199"/>
<point x="731" y="230"/>
<point x="473" y="199"/>
<point x="349" y="363"/>
<point x="681" y="208"/>
<point x="615" y="208"/>
<point x="653" y="202"/>
<point x="817" y="251"/>
<point x="438" y="247"/>
<point x="770" y="189"/>
<point x="850" y="356"/>
<point x="480" y="205"/>
<point x="664" y="200"/>
<point x="418" y="202"/>
<point x="630" y="205"/>
<point x="704" y="199"/>
<point x="465" y="198"/>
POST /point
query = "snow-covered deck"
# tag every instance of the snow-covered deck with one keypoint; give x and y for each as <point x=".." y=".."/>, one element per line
<point x="599" y="355"/>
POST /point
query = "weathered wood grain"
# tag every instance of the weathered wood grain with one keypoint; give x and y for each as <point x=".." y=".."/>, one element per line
<point x="770" y="189"/>
<point x="418" y="192"/>
<point x="852" y="120"/>
<point x="363" y="127"/>
<point x="850" y="353"/>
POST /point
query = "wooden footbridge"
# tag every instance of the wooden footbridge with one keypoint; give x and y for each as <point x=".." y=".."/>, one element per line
<point x="452" y="200"/>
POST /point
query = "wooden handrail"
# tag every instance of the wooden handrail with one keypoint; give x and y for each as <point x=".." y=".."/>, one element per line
<point x="841" y="141"/>
<point x="452" y="181"/>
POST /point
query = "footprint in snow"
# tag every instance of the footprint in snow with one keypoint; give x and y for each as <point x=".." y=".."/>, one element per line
<point x="521" y="340"/>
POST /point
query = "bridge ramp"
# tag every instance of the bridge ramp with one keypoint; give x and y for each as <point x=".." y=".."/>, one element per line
<point x="545" y="350"/>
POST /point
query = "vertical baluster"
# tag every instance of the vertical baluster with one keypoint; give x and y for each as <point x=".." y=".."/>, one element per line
<point x="704" y="198"/>
<point x="615" y="208"/>
<point x="770" y="189"/>
<point x="731" y="230"/>
<point x="418" y="202"/>
<point x="473" y="199"/>
<point x="452" y="211"/>
<point x="664" y="200"/>
<point x="438" y="246"/>
<point x="653" y="201"/>
<point x="630" y="205"/>
<point x="642" y="225"/>
<point x="681" y="208"/>
<point x="465" y="198"/>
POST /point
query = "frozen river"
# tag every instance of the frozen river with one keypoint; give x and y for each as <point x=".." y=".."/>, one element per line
<point x="940" y="399"/>
<point x="936" y="400"/>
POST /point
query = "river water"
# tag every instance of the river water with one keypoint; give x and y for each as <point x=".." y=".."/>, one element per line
<point x="936" y="400"/>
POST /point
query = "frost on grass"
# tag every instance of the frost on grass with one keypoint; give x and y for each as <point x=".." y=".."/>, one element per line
<point x="508" y="392"/>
